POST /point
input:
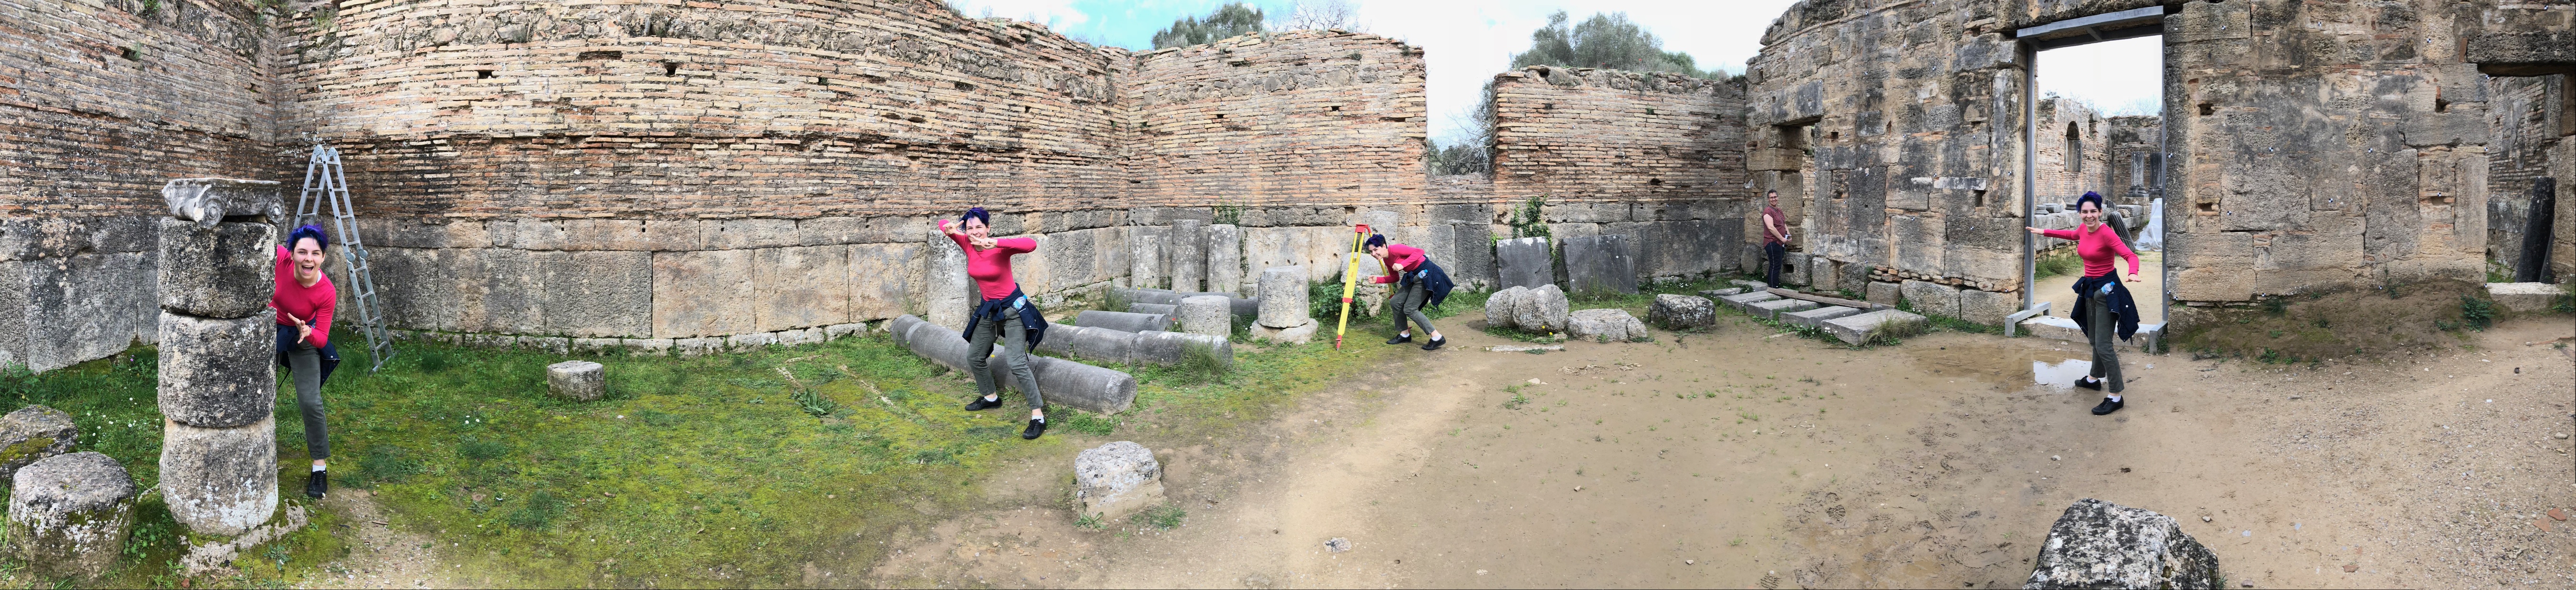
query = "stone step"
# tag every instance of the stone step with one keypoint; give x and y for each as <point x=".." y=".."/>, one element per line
<point x="1852" y="329"/>
<point x="1771" y="310"/>
<point x="2065" y="329"/>
<point x="1816" y="317"/>
<point x="2524" y="297"/>
<point x="1743" y="301"/>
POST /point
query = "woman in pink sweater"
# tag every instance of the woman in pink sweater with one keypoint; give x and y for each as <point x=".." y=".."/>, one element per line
<point x="1004" y="314"/>
<point x="303" y="301"/>
<point x="2102" y="304"/>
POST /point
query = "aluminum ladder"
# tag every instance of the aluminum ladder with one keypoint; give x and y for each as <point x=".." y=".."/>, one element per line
<point x="324" y="181"/>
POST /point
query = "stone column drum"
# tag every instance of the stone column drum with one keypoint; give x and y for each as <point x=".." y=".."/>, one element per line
<point x="1225" y="258"/>
<point x="1208" y="315"/>
<point x="218" y="383"/>
<point x="69" y="514"/>
<point x="1282" y="296"/>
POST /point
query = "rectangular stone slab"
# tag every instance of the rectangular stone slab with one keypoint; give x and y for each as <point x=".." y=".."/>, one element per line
<point x="1771" y="310"/>
<point x="1604" y="262"/>
<point x="1740" y="301"/>
<point x="1816" y="317"/>
<point x="1524" y="262"/>
<point x="1853" y="328"/>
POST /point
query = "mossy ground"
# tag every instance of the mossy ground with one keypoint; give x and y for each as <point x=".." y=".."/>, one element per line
<point x="700" y="471"/>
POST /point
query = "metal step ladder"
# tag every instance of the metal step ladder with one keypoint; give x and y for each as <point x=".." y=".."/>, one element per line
<point x="324" y="181"/>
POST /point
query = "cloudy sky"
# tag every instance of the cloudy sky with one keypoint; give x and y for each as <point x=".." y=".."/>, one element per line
<point x="1466" y="43"/>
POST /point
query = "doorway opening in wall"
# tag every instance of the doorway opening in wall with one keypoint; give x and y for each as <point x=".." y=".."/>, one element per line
<point x="1796" y="142"/>
<point x="2098" y="87"/>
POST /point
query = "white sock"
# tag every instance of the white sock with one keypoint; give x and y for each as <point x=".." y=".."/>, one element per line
<point x="1039" y="418"/>
<point x="2115" y="399"/>
<point x="993" y="398"/>
<point x="317" y="469"/>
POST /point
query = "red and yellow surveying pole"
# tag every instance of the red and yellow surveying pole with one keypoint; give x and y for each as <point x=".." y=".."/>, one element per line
<point x="1350" y="283"/>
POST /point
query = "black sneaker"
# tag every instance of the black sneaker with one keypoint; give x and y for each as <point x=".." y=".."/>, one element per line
<point x="1400" y="339"/>
<point x="1435" y="344"/>
<point x="2088" y="384"/>
<point x="317" y="485"/>
<point x="1037" y="426"/>
<point x="981" y="404"/>
<point x="2108" y="406"/>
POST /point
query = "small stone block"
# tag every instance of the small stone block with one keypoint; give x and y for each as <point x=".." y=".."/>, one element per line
<point x="33" y="433"/>
<point x="2524" y="297"/>
<point x="1816" y="317"/>
<point x="1771" y="310"/>
<point x="69" y="514"/>
<point x="1884" y="293"/>
<point x="577" y="380"/>
<point x="1743" y="301"/>
<point x="1854" y="329"/>
<point x="1114" y="480"/>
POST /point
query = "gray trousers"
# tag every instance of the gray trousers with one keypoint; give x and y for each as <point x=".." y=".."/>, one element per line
<point x="1407" y="305"/>
<point x="1015" y="356"/>
<point x="305" y="364"/>
<point x="2106" y="328"/>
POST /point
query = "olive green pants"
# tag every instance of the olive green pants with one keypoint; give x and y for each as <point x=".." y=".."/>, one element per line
<point x="2106" y="328"/>
<point x="1407" y="305"/>
<point x="1015" y="356"/>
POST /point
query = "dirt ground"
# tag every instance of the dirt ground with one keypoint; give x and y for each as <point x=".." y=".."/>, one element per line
<point x="1740" y="458"/>
<point x="381" y="556"/>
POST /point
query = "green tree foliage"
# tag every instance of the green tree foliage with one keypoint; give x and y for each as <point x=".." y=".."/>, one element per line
<point x="1228" y="20"/>
<point x="1607" y="41"/>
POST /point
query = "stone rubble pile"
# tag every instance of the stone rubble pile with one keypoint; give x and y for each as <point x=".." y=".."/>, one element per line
<point x="218" y="370"/>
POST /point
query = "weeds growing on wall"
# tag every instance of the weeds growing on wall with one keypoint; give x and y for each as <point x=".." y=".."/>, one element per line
<point x="1229" y="214"/>
<point x="1529" y="220"/>
<point x="703" y="471"/>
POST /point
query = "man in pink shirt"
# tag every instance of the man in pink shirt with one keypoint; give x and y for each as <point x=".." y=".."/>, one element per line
<point x="304" y="300"/>
<point x="1004" y="314"/>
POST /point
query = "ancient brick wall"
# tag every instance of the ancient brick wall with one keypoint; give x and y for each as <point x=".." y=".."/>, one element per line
<point x="1278" y="119"/>
<point x="1913" y="111"/>
<point x="2523" y="116"/>
<point x="100" y="102"/>
<point x="2074" y="155"/>
<point x="1658" y="157"/>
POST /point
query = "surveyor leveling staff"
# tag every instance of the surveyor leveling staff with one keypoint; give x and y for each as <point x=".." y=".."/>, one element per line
<point x="1350" y="283"/>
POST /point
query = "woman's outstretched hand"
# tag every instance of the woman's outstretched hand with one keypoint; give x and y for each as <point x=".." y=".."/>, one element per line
<point x="2034" y="230"/>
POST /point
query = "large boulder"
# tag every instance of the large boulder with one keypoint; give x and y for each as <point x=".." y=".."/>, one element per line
<point x="2098" y="544"/>
<point x="1206" y="314"/>
<point x="1114" y="480"/>
<point x="218" y="373"/>
<point x="1498" y="307"/>
<point x="33" y="433"/>
<point x="1543" y="310"/>
<point x="577" y="380"/>
<point x="69" y="514"/>
<point x="225" y="271"/>
<point x="1682" y="312"/>
<point x="1605" y="325"/>
<point x="1281" y="296"/>
<point x="219" y="481"/>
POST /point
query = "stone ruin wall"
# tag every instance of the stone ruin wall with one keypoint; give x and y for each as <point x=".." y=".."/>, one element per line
<point x="2529" y="117"/>
<point x="1656" y="157"/>
<point x="2061" y="177"/>
<point x="87" y="135"/>
<point x="1912" y="111"/>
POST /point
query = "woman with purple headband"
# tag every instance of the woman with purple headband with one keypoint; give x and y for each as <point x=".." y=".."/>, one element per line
<point x="304" y="300"/>
<point x="1005" y="314"/>
<point x="2102" y="305"/>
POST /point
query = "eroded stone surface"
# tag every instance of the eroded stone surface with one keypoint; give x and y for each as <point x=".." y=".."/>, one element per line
<point x="223" y="271"/>
<point x="218" y="373"/>
<point x="2098" y="544"/>
<point x="1605" y="325"/>
<point x="33" y="433"/>
<point x="1543" y="309"/>
<point x="1282" y="297"/>
<point x="69" y="514"/>
<point x="219" y="481"/>
<point x="1681" y="312"/>
<point x="1114" y="480"/>
<point x="1524" y="262"/>
<point x="577" y="380"/>
<point x="1499" y="305"/>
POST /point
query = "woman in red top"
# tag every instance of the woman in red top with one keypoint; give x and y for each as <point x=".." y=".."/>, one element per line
<point x="1004" y="314"/>
<point x="303" y="301"/>
<point x="1410" y="293"/>
<point x="2102" y="304"/>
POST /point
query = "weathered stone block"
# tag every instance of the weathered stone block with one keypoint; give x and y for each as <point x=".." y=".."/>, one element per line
<point x="1815" y="318"/>
<point x="77" y="308"/>
<point x="1498" y="306"/>
<point x="952" y="294"/>
<point x="218" y="373"/>
<point x="1282" y="297"/>
<point x="1600" y="263"/>
<point x="223" y="271"/>
<point x="1524" y="262"/>
<point x="1116" y="479"/>
<point x="1173" y="348"/>
<point x="1771" y="310"/>
<point x="1744" y="301"/>
<point x="1543" y="309"/>
<point x="1154" y="309"/>
<point x="698" y="294"/>
<point x="207" y="201"/>
<point x="1146" y="260"/>
<point x="1188" y="249"/>
<point x="1857" y="328"/>
<point x="597" y="294"/>
<point x="1206" y="314"/>
<point x="1987" y="307"/>
<point x="219" y="481"/>
<point x="801" y="287"/>
<point x="577" y="380"/>
<point x="1932" y="298"/>
<point x="1716" y="293"/>
<point x="881" y="278"/>
<point x="2097" y="544"/>
<point x="1682" y="312"/>
<point x="1225" y="258"/>
<point x="1605" y="325"/>
<point x="2524" y="297"/>
<point x="69" y="515"/>
<point x="33" y="433"/>
<point x="1884" y="293"/>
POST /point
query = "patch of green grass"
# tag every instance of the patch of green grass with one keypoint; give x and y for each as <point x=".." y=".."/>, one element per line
<point x="2478" y="313"/>
<point x="2061" y="263"/>
<point x="1166" y="517"/>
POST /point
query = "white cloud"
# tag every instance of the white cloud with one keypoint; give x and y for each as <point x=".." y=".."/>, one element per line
<point x="2115" y="76"/>
<point x="1058" y="15"/>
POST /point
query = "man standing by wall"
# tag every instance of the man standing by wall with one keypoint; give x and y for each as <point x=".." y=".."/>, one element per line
<point x="1775" y="238"/>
